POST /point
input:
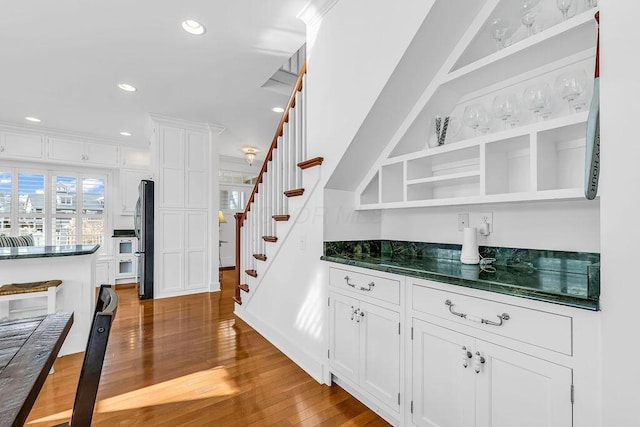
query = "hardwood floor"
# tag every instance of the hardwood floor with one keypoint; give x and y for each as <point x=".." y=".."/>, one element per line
<point x="188" y="361"/>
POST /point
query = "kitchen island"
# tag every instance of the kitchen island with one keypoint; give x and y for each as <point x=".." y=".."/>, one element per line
<point x="75" y="265"/>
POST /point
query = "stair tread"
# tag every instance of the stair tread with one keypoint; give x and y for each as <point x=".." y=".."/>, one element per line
<point x="295" y="192"/>
<point x="271" y="239"/>
<point x="281" y="217"/>
<point x="260" y="257"/>
<point x="237" y="300"/>
<point x="244" y="287"/>
<point x="316" y="161"/>
<point x="252" y="273"/>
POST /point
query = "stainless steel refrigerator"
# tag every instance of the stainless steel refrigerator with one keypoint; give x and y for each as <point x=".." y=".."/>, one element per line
<point x="143" y="224"/>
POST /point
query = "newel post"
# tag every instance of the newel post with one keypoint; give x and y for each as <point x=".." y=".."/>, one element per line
<point x="239" y="221"/>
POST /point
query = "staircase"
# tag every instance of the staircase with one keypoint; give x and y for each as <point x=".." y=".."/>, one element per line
<point x="281" y="178"/>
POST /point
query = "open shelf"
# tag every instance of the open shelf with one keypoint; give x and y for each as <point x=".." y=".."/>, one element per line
<point x="370" y="193"/>
<point x="564" y="39"/>
<point x="392" y="182"/>
<point x="445" y="163"/>
<point x="508" y="166"/>
<point x="561" y="154"/>
<point x="533" y="159"/>
<point x="465" y="185"/>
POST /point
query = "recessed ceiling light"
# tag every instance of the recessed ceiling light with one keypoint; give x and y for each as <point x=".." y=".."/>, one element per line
<point x="127" y="87"/>
<point x="193" y="27"/>
<point x="33" y="119"/>
<point x="277" y="110"/>
<point x="125" y="133"/>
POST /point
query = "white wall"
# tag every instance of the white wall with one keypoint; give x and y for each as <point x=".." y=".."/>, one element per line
<point x="563" y="226"/>
<point x="620" y="200"/>
<point x="342" y="222"/>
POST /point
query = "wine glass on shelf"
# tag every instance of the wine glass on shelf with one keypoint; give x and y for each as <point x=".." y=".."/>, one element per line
<point x="516" y="114"/>
<point x="504" y="106"/>
<point x="572" y="87"/>
<point x="476" y="117"/>
<point x="564" y="6"/>
<point x="528" y="13"/>
<point x="537" y="98"/>
<point x="498" y="29"/>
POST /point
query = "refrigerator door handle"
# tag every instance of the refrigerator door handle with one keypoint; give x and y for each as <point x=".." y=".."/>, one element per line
<point x="138" y="253"/>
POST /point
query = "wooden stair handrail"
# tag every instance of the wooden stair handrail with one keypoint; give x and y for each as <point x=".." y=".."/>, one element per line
<point x="274" y="142"/>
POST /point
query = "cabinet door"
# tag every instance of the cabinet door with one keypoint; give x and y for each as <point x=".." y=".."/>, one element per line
<point x="380" y="353"/>
<point x="21" y="146"/>
<point x="196" y="170"/>
<point x="171" y="151"/>
<point x="129" y="181"/>
<point x="169" y="253"/>
<point x="103" y="275"/>
<point x="344" y="331"/>
<point x="101" y="154"/>
<point x="196" y="250"/>
<point x="515" y="389"/>
<point x="443" y="389"/>
<point x="66" y="150"/>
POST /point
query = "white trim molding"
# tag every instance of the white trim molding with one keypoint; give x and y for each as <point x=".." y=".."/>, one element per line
<point x="313" y="11"/>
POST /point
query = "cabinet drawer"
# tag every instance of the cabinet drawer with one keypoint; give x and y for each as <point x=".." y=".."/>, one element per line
<point x="366" y="285"/>
<point x="546" y="330"/>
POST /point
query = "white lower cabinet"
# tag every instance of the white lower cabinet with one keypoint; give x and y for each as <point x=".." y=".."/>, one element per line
<point x="466" y="357"/>
<point x="365" y="347"/>
<point x="461" y="381"/>
<point x="181" y="252"/>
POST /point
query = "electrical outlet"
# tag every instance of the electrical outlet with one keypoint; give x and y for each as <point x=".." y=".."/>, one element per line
<point x="487" y="218"/>
<point x="463" y="221"/>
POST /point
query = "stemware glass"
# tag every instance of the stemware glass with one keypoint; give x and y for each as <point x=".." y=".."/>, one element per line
<point x="476" y="117"/>
<point x="499" y="28"/>
<point x="564" y="6"/>
<point x="537" y="98"/>
<point x="528" y="13"/>
<point x="572" y="87"/>
<point x="504" y="106"/>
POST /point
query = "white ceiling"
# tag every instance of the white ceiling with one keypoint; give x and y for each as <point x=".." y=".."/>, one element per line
<point x="60" y="61"/>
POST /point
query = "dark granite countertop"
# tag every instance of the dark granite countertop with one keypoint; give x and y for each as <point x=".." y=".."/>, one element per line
<point x="568" y="278"/>
<point x="46" y="251"/>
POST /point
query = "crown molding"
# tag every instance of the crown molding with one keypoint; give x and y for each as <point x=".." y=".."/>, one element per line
<point x="213" y="128"/>
<point x="58" y="133"/>
<point x="313" y="11"/>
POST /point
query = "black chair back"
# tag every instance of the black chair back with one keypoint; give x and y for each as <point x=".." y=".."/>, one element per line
<point x="85" y="401"/>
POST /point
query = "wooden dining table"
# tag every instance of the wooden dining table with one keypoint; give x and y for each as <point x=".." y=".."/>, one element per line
<point x="28" y="348"/>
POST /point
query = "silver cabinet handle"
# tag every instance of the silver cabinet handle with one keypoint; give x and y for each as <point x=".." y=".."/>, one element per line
<point x="478" y="361"/>
<point x="359" y="315"/>
<point x="501" y="317"/>
<point x="353" y="312"/>
<point x="368" y="288"/>
<point x="466" y="355"/>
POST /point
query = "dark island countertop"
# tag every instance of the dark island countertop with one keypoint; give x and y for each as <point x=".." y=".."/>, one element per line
<point x="46" y="251"/>
<point x="567" y="278"/>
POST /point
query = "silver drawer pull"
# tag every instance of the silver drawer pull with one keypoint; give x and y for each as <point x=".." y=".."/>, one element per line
<point x="501" y="317"/>
<point x="362" y="288"/>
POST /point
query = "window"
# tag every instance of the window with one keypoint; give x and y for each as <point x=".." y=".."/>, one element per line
<point x="57" y="208"/>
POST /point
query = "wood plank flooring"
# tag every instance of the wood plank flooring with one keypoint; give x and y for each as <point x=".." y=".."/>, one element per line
<point x="188" y="361"/>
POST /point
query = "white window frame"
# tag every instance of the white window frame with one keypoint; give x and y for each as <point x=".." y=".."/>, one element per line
<point x="49" y="213"/>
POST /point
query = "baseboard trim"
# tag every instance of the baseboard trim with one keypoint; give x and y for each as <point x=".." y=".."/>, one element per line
<point x="301" y="358"/>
